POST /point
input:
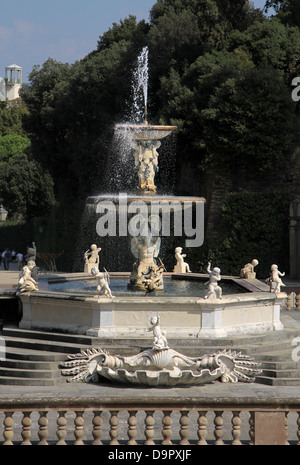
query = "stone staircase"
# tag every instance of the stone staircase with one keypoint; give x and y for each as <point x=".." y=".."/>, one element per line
<point x="31" y="357"/>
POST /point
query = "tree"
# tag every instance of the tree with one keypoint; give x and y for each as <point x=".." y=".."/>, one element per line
<point x="288" y="11"/>
<point x="12" y="146"/>
<point x="25" y="187"/>
<point x="11" y="115"/>
<point x="240" y="122"/>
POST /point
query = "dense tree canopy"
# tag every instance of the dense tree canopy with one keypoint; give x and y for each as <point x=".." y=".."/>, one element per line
<point x="218" y="69"/>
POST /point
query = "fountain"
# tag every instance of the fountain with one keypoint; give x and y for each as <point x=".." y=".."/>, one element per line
<point x="145" y="216"/>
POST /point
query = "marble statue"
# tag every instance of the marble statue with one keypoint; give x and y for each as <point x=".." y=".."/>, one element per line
<point x="145" y="249"/>
<point x="159" y="366"/>
<point x="274" y="280"/>
<point x="146" y="163"/>
<point x="31" y="260"/>
<point x="214" y="290"/>
<point x="26" y="282"/>
<point x="153" y="278"/>
<point x="181" y="266"/>
<point x="103" y="282"/>
<point x="247" y="272"/>
<point x="91" y="257"/>
<point x="159" y="336"/>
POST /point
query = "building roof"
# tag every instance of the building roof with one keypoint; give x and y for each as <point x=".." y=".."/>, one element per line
<point x="13" y="66"/>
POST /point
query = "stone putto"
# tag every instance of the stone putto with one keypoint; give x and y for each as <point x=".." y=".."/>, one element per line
<point x="214" y="290"/>
<point x="274" y="280"/>
<point x="181" y="266"/>
<point x="247" y="272"/>
<point x="91" y="257"/>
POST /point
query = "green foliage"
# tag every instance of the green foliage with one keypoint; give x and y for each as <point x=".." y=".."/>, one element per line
<point x="241" y="119"/>
<point x="11" y="115"/>
<point x="25" y="188"/>
<point x="288" y="11"/>
<point x="12" y="146"/>
<point x="254" y="225"/>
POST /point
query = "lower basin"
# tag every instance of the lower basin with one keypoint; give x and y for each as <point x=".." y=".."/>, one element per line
<point x="69" y="303"/>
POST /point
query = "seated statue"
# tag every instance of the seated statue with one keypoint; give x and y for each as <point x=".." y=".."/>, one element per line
<point x="247" y="272"/>
<point x="181" y="266"/>
<point x="26" y="282"/>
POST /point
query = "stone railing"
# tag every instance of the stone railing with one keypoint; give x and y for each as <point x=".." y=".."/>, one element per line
<point x="84" y="421"/>
<point x="293" y="301"/>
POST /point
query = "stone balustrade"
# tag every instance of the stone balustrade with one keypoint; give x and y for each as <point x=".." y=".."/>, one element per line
<point x="167" y="422"/>
<point x="293" y="301"/>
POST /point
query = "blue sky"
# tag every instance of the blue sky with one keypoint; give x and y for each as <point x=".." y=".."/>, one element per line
<point x="31" y="31"/>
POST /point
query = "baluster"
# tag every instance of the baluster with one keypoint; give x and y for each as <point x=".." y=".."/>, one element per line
<point x="202" y="428"/>
<point x="149" y="431"/>
<point x="97" y="428"/>
<point x="218" y="421"/>
<point x="289" y="302"/>
<point x="298" y="432"/>
<point x="286" y="429"/>
<point x="61" y="430"/>
<point x="79" y="431"/>
<point x="114" y="423"/>
<point x="26" y="430"/>
<point x="43" y="428"/>
<point x="167" y="427"/>
<point x="236" y="428"/>
<point x="251" y="430"/>
<point x="298" y="302"/>
<point x="132" y="431"/>
<point x="8" y="429"/>
<point x="184" y="427"/>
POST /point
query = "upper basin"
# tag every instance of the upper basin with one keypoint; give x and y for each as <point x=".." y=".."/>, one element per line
<point x="145" y="131"/>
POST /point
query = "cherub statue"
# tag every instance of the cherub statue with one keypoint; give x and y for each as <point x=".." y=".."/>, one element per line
<point x="214" y="290"/>
<point x="275" y="278"/>
<point x="91" y="258"/>
<point x="103" y="282"/>
<point x="181" y="266"/>
<point x="26" y="282"/>
<point x="159" y="337"/>
<point x="247" y="271"/>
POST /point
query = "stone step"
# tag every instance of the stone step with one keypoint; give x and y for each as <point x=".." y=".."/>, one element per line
<point x="282" y="355"/>
<point x="281" y="373"/>
<point x="28" y="373"/>
<point x="17" y="353"/>
<point x="28" y="365"/>
<point x="279" y="365"/>
<point x="18" y="381"/>
<point x="277" y="381"/>
<point x="46" y="336"/>
<point x="39" y="344"/>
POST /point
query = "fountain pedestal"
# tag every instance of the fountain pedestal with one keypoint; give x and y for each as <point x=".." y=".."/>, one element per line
<point x="145" y="140"/>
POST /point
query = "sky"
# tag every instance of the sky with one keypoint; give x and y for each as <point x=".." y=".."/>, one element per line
<point x="31" y="31"/>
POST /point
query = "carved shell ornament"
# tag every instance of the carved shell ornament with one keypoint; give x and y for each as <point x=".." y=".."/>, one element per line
<point x="160" y="367"/>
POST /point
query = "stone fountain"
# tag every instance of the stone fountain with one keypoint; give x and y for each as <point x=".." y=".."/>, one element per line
<point x="144" y="216"/>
